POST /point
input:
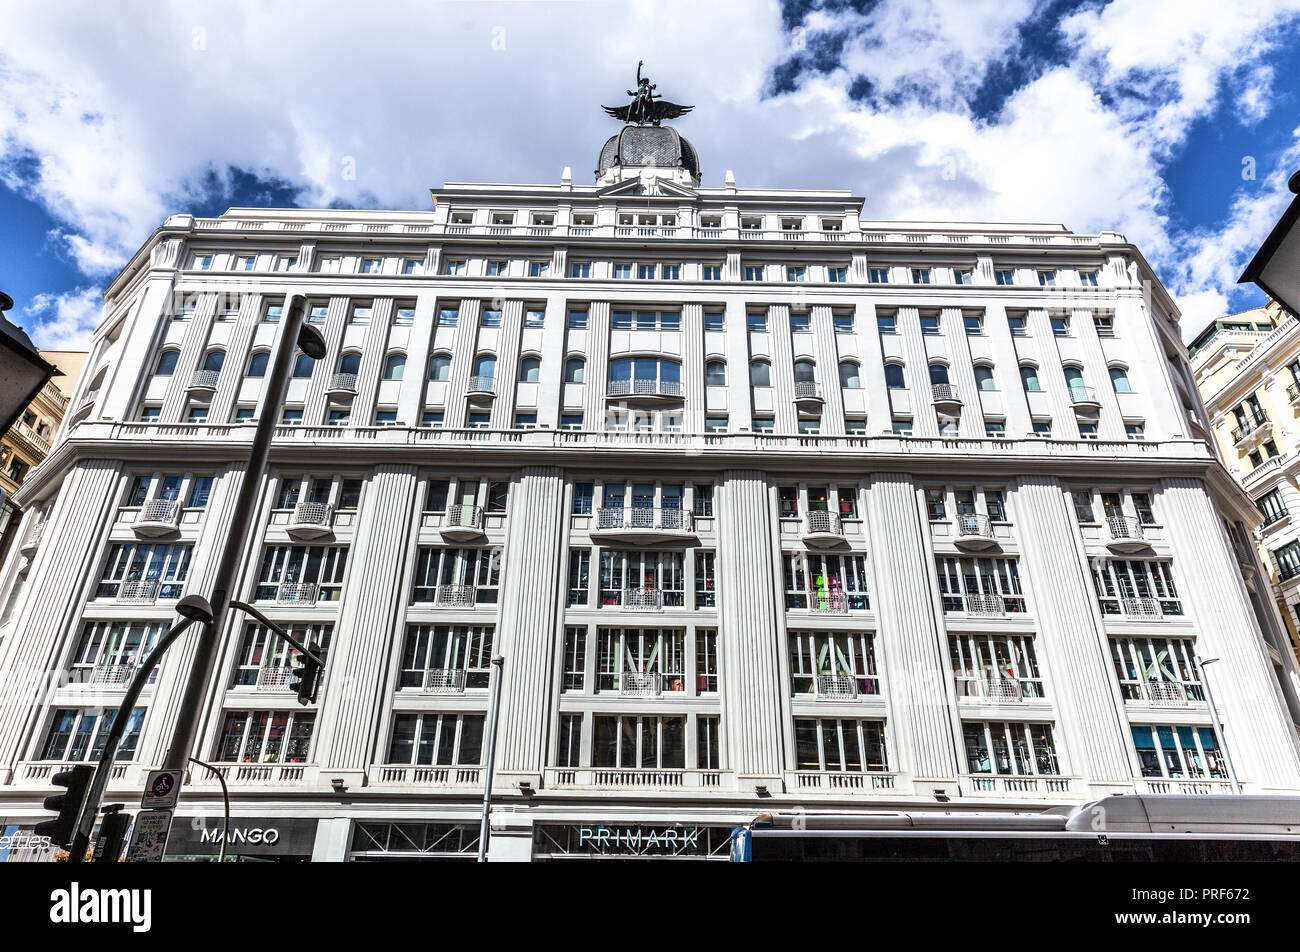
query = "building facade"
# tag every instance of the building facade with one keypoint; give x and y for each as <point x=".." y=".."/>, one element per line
<point x="761" y="505"/>
<point x="1247" y="367"/>
<point x="30" y="437"/>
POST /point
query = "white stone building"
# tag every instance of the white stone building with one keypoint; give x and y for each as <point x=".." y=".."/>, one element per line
<point x="761" y="504"/>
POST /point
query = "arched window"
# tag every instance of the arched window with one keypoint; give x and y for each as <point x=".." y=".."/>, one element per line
<point x="894" y="377"/>
<point x="350" y="363"/>
<point x="715" y="373"/>
<point x="214" y="360"/>
<point x="257" y="363"/>
<point x="1029" y="377"/>
<point x="938" y="374"/>
<point x="1119" y="380"/>
<point x="485" y="366"/>
<point x="646" y="374"/>
<point x="984" y="378"/>
<point x="440" y="367"/>
<point x="575" y="370"/>
<point x="760" y="374"/>
<point x="394" y="366"/>
<point x="1073" y="377"/>
<point x="303" y="365"/>
<point x="530" y="370"/>
<point x="804" y="371"/>
<point x="850" y="376"/>
<point x="167" y="363"/>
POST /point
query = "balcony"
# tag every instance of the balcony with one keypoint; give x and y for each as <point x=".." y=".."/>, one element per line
<point x="640" y="684"/>
<point x="643" y="524"/>
<point x="157" y="517"/>
<point x="974" y="531"/>
<point x="462" y="523"/>
<point x="1140" y="607"/>
<point x="204" y="382"/>
<point x="1293" y="394"/>
<point x="311" y="520"/>
<point x="274" y="678"/>
<point x="823" y="529"/>
<point x="296" y="593"/>
<point x="1126" y="535"/>
<point x="838" y="781"/>
<point x="945" y="396"/>
<point x="643" y="599"/>
<point x="1084" y="399"/>
<point x="428" y="776"/>
<point x="807" y="393"/>
<point x="481" y="387"/>
<point x="977" y="784"/>
<point x="111" y="675"/>
<point x="623" y="778"/>
<point x="1252" y="431"/>
<point x="1195" y="788"/>
<point x="1165" y="694"/>
<point x="837" y="686"/>
<point x="644" y="391"/>
<point x="1000" y="690"/>
<point x="250" y="773"/>
<point x="342" y="388"/>
<point x="454" y="596"/>
<point x="142" y="591"/>
<point x="992" y="605"/>
<point x="444" y="681"/>
<point x="828" y="603"/>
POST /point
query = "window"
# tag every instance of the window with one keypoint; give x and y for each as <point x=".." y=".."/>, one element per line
<point x="712" y="272"/>
<point x="202" y="262"/>
<point x="1135" y="588"/>
<point x="489" y="317"/>
<point x="639" y="741"/>
<point x="1029" y="378"/>
<point x="855" y="426"/>
<point x="639" y="661"/>
<point x="887" y="324"/>
<point x="143" y="572"/>
<point x="1009" y="749"/>
<point x="265" y="737"/>
<point x="197" y="414"/>
<point x="850" y="378"/>
<point x="530" y="370"/>
<point x="454" y="266"/>
<point x="448" y="316"/>
<point x="823" y="582"/>
<point x="292" y="416"/>
<point x="265" y="658"/>
<point x="797" y="273"/>
<point x="642" y="578"/>
<point x="394" y="366"/>
<point x="302" y="365"/>
<point x="920" y="275"/>
<point x="446" y="658"/>
<point x="317" y="313"/>
<point x="228" y="309"/>
<point x="498" y="269"/>
<point x="973" y="323"/>
<point x="534" y="317"/>
<point x="894" y="377"/>
<point x="578" y="320"/>
<point x="372" y="266"/>
<point x="1135" y="431"/>
<point x="760" y="374"/>
<point x="878" y="275"/>
<point x="571" y="421"/>
<point x="479" y="421"/>
<point x="457" y="577"/>
<point x="715" y="373"/>
<point x="301" y="573"/>
<point x="756" y="321"/>
<point x="1178" y="752"/>
<point x="840" y="745"/>
<point x="431" y="738"/>
<point x="78" y="735"/>
<point x="440" y="367"/>
<point x="580" y="269"/>
<point x="995" y="429"/>
<point x="1061" y="325"/>
<point x="1018" y="324"/>
<point x="412" y="266"/>
<point x="243" y="414"/>
<point x="622" y="270"/>
<point x="1157" y="670"/>
<point x="245" y="262"/>
<point x="961" y="275"/>
<point x="980" y="585"/>
<point x="1119" y="380"/>
<point x="272" y="311"/>
<point x="833" y="664"/>
<point x="984" y="378"/>
<point x="1046" y="279"/>
<point x="753" y="273"/>
<point x="995" y="666"/>
<point x="1105" y="324"/>
<point x="670" y="272"/>
<point x="800" y="324"/>
<point x="1043" y="429"/>
<point x="109" y="651"/>
<point x="1087" y="431"/>
<point x="166" y="365"/>
<point x="1088" y="279"/>
<point x="836" y="274"/>
<point x="929" y="323"/>
<point x="842" y="323"/>
<point x="431" y="418"/>
<point x="539" y="269"/>
<point x="645" y="320"/>
<point x="385" y="418"/>
<point x="1271" y="506"/>
<point x="763" y="424"/>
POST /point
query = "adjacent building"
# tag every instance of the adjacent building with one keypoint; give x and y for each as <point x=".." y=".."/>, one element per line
<point x="761" y="504"/>
<point x="1247" y="367"/>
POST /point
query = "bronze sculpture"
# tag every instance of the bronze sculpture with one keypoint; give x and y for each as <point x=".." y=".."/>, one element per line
<point x="647" y="107"/>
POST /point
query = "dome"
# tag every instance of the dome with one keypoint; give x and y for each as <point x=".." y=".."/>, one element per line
<point x="657" y="146"/>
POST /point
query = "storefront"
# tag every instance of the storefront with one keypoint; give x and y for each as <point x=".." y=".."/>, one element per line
<point x="251" y="839"/>
<point x="680" y="842"/>
<point x="377" y="841"/>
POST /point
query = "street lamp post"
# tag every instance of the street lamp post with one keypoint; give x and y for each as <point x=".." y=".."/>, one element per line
<point x="310" y="342"/>
<point x="498" y="665"/>
<point x="1214" y="719"/>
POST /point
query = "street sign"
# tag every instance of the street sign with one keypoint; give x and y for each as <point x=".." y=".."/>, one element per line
<point x="149" y="836"/>
<point x="162" y="790"/>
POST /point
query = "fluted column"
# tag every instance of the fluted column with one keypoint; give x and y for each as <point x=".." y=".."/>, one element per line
<point x="193" y="345"/>
<point x="507" y="379"/>
<point x="693" y="368"/>
<point x="828" y="369"/>
<point x="597" y="371"/>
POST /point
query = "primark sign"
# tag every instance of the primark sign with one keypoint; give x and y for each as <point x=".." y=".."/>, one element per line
<point x="600" y="839"/>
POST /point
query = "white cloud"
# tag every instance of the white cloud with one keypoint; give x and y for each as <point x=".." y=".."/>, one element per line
<point x="63" y="321"/>
<point x="128" y="108"/>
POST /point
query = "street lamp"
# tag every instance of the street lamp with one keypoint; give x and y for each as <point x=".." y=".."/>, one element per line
<point x="1214" y="719"/>
<point x="294" y="336"/>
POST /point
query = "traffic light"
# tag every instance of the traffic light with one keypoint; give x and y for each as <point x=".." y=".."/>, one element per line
<point x="305" y="673"/>
<point x="112" y="833"/>
<point x="66" y="805"/>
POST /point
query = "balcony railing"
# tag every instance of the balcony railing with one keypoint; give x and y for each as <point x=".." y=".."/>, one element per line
<point x="1083" y="396"/>
<point x="1165" y="693"/>
<point x="429" y="776"/>
<point x="643" y="599"/>
<point x="139" y="591"/>
<point x="342" y="385"/>
<point x="111" y="675"/>
<point x="1293" y="393"/>
<point x="974" y="525"/>
<point x="992" y="783"/>
<point x="1199" y="788"/>
<point x="463" y="517"/>
<point x="944" y="393"/>
<point x="828" y="603"/>
<point x="275" y="678"/>
<point x="841" y="780"/>
<point x="807" y="390"/>
<point x="1140" y="607"/>
<point x="205" y="380"/>
<point x="837" y="685"/>
<point x="1249" y="425"/>
<point x="617" y="778"/>
<point x="311" y="519"/>
<point x="454" y="596"/>
<point x="1002" y="689"/>
<point x="641" y="683"/>
<point x="644" y="388"/>
<point x="824" y="522"/>
<point x="161" y="513"/>
<point x="1122" y="528"/>
<point x="636" y="517"/>
<point x="482" y="384"/>
<point x="986" y="605"/>
<point x="444" y="681"/>
<point x="296" y="593"/>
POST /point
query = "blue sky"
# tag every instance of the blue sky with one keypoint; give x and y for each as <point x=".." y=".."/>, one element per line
<point x="1129" y="115"/>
